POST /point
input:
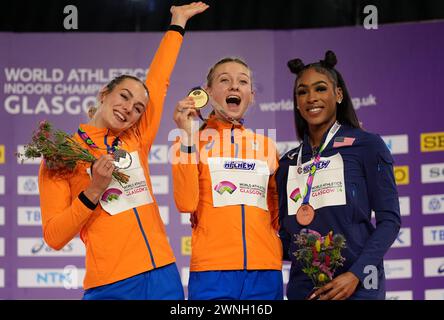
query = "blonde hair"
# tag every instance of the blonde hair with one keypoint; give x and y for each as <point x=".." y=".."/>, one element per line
<point x="240" y="61"/>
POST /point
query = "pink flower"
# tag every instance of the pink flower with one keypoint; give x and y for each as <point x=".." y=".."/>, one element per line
<point x="317" y="234"/>
<point x="326" y="270"/>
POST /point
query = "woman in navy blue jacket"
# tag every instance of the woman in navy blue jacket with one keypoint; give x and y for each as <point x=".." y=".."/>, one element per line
<point x="352" y="175"/>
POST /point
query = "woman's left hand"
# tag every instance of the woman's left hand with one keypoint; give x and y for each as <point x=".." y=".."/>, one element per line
<point x="340" y="288"/>
<point x="181" y="14"/>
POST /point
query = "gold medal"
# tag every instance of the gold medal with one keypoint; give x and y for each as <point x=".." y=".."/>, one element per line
<point x="200" y="97"/>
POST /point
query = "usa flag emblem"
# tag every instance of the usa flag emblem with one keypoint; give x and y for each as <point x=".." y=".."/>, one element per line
<point x="343" y="142"/>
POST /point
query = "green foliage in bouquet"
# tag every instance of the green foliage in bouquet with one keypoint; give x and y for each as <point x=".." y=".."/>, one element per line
<point x="60" y="151"/>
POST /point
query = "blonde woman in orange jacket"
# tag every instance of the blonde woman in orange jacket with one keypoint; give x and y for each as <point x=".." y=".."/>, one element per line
<point x="127" y="251"/>
<point x="224" y="177"/>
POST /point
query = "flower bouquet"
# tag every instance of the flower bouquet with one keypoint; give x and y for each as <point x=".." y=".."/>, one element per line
<point x="319" y="256"/>
<point x="60" y="151"/>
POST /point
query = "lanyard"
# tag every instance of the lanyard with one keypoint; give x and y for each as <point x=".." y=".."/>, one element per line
<point x="313" y="167"/>
<point x="110" y="149"/>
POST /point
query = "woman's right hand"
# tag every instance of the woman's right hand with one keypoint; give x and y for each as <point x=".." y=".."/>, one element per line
<point x="184" y="113"/>
<point x="101" y="175"/>
<point x="181" y="14"/>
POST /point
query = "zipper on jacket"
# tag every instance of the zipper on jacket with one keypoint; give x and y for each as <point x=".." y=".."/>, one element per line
<point x="144" y="237"/>
<point x="244" y="240"/>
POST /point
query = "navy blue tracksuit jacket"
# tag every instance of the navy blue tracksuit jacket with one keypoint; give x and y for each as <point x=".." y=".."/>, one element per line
<point x="369" y="185"/>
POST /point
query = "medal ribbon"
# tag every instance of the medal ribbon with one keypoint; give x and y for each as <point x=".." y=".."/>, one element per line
<point x="110" y="149"/>
<point x="317" y="158"/>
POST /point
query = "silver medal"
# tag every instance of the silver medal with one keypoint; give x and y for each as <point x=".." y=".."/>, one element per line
<point x="122" y="159"/>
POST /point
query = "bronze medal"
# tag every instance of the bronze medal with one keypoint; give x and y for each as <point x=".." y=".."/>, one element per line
<point x="200" y="97"/>
<point x="305" y="214"/>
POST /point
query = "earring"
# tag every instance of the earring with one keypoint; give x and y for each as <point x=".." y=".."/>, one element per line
<point x="339" y="102"/>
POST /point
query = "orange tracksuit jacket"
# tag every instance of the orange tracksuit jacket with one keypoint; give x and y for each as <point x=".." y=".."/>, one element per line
<point x="232" y="237"/>
<point x="131" y="242"/>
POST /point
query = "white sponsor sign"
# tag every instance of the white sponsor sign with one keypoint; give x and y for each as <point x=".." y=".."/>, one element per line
<point x="397" y="144"/>
<point x="398" y="269"/>
<point x="165" y="214"/>
<point x="399" y="295"/>
<point x="2" y="278"/>
<point x="433" y="235"/>
<point x="404" y="238"/>
<point x="36" y="247"/>
<point x="160" y="184"/>
<point x="158" y="154"/>
<point x="27" y="185"/>
<point x="29" y="216"/>
<point x="433" y="172"/>
<point x="50" y="278"/>
<point x="185" y="275"/>
<point x="185" y="218"/>
<point x="434" y="294"/>
<point x="118" y="198"/>
<point x="2" y="247"/>
<point x="2" y="216"/>
<point x="404" y="206"/>
<point x="2" y="184"/>
<point x="328" y="188"/>
<point x="433" y="204"/>
<point x="21" y="150"/>
<point x="239" y="181"/>
<point x="434" y="267"/>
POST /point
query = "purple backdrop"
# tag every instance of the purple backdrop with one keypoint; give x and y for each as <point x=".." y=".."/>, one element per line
<point x="393" y="73"/>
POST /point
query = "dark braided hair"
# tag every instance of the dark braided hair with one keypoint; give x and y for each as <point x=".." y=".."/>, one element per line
<point x="345" y="113"/>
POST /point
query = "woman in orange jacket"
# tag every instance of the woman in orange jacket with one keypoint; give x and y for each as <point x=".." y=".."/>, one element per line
<point x="224" y="177"/>
<point x="127" y="251"/>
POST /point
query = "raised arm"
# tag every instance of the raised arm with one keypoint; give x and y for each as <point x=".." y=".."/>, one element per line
<point x="162" y="66"/>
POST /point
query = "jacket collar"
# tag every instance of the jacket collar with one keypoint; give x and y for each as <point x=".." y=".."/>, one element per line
<point x="217" y="123"/>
